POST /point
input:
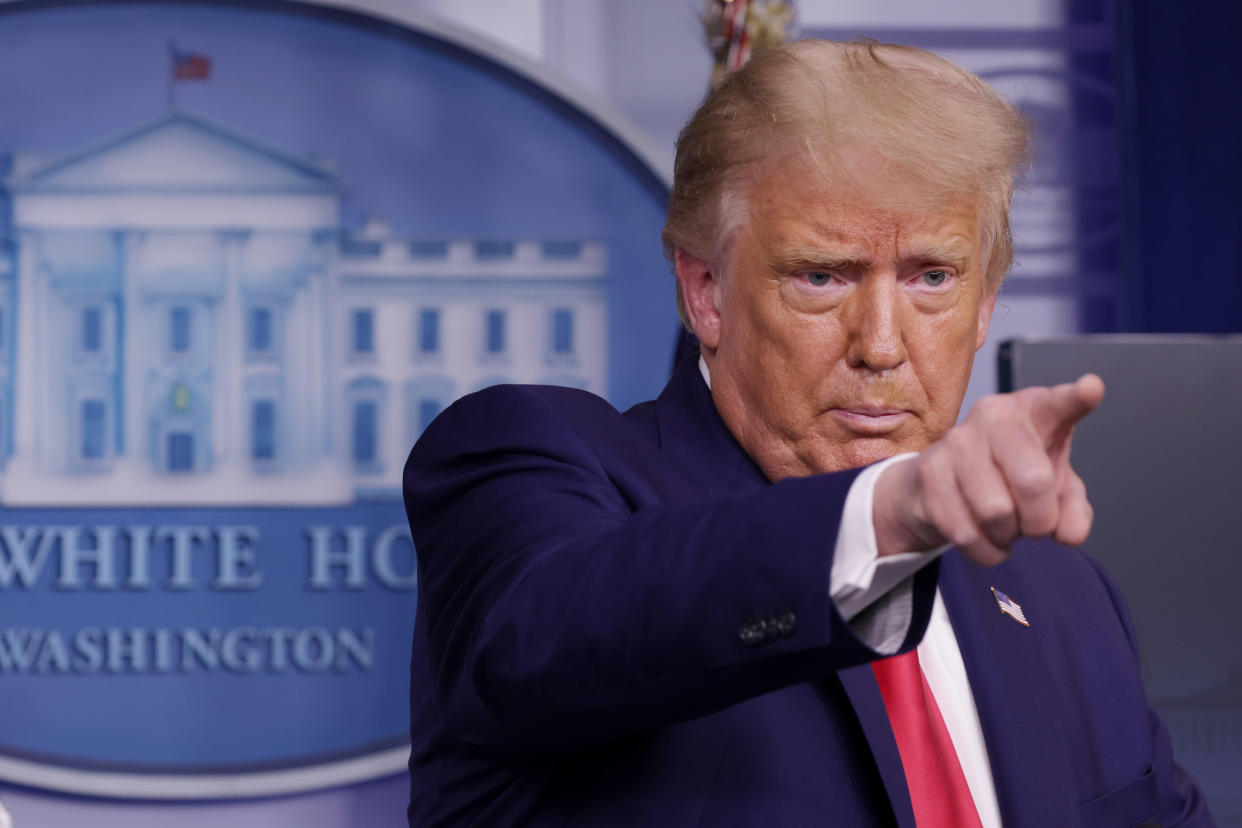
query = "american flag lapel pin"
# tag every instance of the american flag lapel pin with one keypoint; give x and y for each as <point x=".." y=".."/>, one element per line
<point x="1010" y="607"/>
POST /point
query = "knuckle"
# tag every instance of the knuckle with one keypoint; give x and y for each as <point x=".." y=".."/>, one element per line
<point x="994" y="557"/>
<point x="986" y="557"/>
<point x="963" y="536"/>
<point x="1033" y="480"/>
<point x="996" y="513"/>
<point x="1039" y="524"/>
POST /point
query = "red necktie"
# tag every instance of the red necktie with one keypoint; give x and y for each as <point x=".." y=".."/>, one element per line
<point x="937" y="785"/>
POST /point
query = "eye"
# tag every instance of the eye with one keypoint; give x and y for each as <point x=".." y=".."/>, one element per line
<point x="935" y="278"/>
<point x="818" y="278"/>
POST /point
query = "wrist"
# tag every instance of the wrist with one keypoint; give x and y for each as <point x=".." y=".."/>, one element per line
<point x="893" y="512"/>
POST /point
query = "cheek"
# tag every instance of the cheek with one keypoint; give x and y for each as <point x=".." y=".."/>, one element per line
<point x="952" y="333"/>
<point x="758" y="324"/>
<point x="792" y="350"/>
<point x="943" y="353"/>
<point x="777" y="357"/>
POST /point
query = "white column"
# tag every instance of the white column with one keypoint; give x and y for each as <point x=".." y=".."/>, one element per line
<point x="228" y="417"/>
<point x="139" y="340"/>
<point x="332" y="351"/>
<point x="26" y="386"/>
<point x="45" y="408"/>
<point x="296" y="356"/>
<point x="59" y="427"/>
<point x="310" y="368"/>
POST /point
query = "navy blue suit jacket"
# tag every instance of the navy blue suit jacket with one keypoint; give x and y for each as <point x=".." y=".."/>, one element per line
<point x="621" y="622"/>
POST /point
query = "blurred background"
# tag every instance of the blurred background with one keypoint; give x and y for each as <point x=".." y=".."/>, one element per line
<point x="385" y="204"/>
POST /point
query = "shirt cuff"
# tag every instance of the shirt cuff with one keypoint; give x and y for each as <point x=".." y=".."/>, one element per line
<point x="874" y="594"/>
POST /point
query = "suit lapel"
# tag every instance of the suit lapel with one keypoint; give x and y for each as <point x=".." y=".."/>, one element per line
<point x="868" y="705"/>
<point x="697" y="440"/>
<point x="1013" y="689"/>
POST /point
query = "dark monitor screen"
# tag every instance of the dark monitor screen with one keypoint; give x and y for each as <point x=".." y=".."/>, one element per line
<point x="1162" y="460"/>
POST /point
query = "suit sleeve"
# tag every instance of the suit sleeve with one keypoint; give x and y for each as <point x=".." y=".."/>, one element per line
<point x="559" y="616"/>
<point x="1181" y="802"/>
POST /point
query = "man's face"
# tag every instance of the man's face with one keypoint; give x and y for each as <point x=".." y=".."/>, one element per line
<point x="836" y="334"/>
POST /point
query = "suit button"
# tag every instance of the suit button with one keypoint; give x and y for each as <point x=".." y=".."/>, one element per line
<point x="750" y="634"/>
<point x="786" y="623"/>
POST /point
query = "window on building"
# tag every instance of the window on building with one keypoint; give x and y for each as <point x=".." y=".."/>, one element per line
<point x="495" y="332"/>
<point x="92" y="329"/>
<point x="562" y="249"/>
<point x="259" y="331"/>
<point x="361" y="248"/>
<point x="180" y="451"/>
<point x="562" y="331"/>
<point x="263" y="430"/>
<point x="362" y="331"/>
<point x="365" y="436"/>
<point x="179" y="330"/>
<point x="94" y="427"/>
<point x="429" y="331"/>
<point x="428" y="410"/>
<point x="489" y="249"/>
<point x="429" y="249"/>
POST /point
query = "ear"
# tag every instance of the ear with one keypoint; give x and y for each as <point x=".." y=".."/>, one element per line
<point x="700" y="295"/>
<point x="986" y="306"/>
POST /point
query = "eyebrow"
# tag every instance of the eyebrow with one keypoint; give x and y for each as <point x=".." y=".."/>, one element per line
<point x="954" y="252"/>
<point x="797" y="256"/>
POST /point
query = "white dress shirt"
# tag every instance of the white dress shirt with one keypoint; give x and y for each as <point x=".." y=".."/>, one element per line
<point x="860" y="576"/>
<point x="876" y="596"/>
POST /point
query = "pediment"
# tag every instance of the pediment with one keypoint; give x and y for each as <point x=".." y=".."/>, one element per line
<point x="178" y="153"/>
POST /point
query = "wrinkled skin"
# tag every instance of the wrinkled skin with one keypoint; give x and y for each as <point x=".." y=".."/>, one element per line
<point x="838" y="333"/>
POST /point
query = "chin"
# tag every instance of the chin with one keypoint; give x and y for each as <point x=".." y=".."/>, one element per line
<point x="865" y="451"/>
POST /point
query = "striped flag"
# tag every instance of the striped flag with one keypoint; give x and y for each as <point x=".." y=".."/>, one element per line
<point x="1010" y="607"/>
<point x="736" y="34"/>
<point x="188" y="65"/>
<point x="738" y="29"/>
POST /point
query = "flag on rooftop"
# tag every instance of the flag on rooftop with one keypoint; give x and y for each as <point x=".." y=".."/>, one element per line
<point x="188" y="65"/>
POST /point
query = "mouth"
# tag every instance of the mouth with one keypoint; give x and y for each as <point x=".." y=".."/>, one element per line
<point x="871" y="421"/>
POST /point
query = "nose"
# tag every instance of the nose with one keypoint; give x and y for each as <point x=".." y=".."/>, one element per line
<point x="873" y="320"/>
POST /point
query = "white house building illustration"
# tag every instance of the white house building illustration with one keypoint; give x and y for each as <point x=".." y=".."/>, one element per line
<point x="183" y="320"/>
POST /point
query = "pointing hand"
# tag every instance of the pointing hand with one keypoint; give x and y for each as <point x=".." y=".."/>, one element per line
<point x="1002" y="474"/>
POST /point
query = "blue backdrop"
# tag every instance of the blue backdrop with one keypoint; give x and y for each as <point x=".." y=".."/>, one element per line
<point x="1179" y="70"/>
<point x="520" y="241"/>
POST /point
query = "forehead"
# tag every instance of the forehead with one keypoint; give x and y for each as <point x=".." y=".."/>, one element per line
<point x="794" y="205"/>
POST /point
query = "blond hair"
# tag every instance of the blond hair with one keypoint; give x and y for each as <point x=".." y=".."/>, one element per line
<point x="940" y="133"/>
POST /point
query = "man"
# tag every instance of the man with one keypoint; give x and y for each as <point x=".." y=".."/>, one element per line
<point x="701" y="612"/>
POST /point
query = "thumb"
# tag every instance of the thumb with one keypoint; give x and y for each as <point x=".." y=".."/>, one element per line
<point x="1055" y="413"/>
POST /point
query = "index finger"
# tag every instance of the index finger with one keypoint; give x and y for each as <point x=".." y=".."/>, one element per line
<point x="1054" y="414"/>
